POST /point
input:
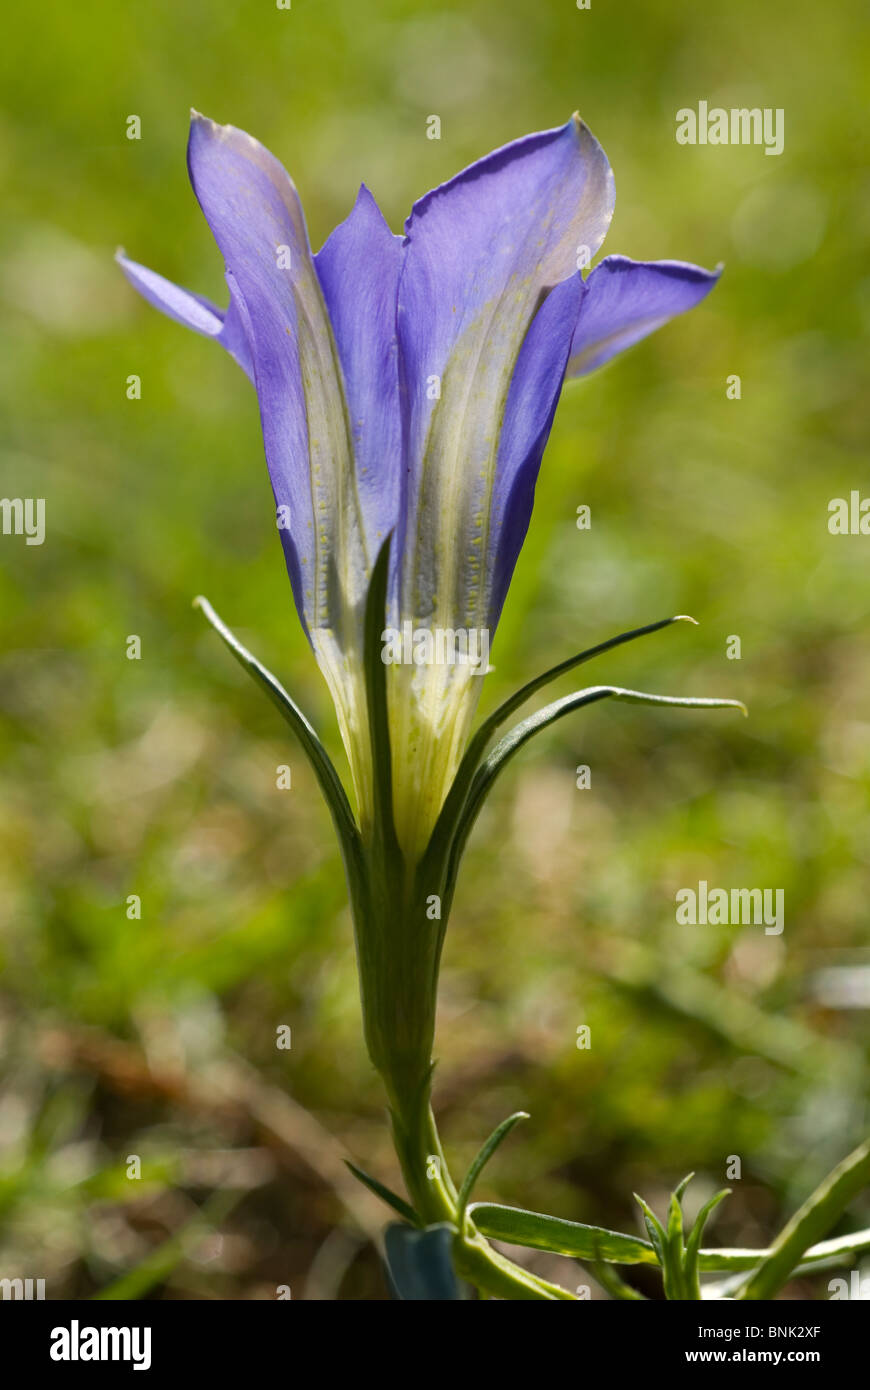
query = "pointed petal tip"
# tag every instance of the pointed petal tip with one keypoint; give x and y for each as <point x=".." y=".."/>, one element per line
<point x="365" y="199"/>
<point x="580" y="125"/>
<point x="205" y="125"/>
<point x="587" y="147"/>
<point x="367" y="202"/>
<point x="206" y="134"/>
<point x="586" y="138"/>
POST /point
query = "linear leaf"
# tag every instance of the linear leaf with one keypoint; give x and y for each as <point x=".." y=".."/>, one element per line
<point x="693" y="1244"/>
<point x="481" y="1159"/>
<point x="672" y="1269"/>
<point x="838" y="1247"/>
<point x="520" y="734"/>
<point x="487" y="730"/>
<point x="655" y="1229"/>
<point x="826" y="1253"/>
<point x="386" y="1194"/>
<point x="572" y="1238"/>
<point x="539" y="1232"/>
<point x="553" y="1233"/>
<point x="680" y="1191"/>
<point x="324" y="769"/>
<point x="376" y="697"/>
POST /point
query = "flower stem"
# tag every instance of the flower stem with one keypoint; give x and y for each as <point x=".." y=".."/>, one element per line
<point x="399" y="953"/>
<point x="434" y="1197"/>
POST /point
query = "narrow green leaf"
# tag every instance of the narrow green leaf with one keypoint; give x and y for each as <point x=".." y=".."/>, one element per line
<point x="553" y="1233"/>
<point x="376" y="697"/>
<point x="324" y="769"/>
<point x="655" y="1229"/>
<point x="487" y="730"/>
<point x="433" y="1140"/>
<point x="827" y="1253"/>
<point x="520" y="734"/>
<point x="672" y="1268"/>
<point x="680" y="1190"/>
<point x="560" y="1237"/>
<point x="386" y="1194"/>
<point x="539" y="1232"/>
<point x="817" y="1215"/>
<point x="693" y="1244"/>
<point x="673" y="1271"/>
<point x="480" y="1161"/>
<point x="839" y="1247"/>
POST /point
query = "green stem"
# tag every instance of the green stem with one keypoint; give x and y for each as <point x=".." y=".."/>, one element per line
<point x="399" y="951"/>
<point x="434" y="1197"/>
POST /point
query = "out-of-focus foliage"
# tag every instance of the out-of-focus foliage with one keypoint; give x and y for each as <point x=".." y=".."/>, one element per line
<point x="157" y="777"/>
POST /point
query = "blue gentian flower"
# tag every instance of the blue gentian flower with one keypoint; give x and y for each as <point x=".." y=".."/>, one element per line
<point x="407" y="385"/>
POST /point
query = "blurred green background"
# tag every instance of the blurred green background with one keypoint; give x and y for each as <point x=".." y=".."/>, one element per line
<point x="156" y="1037"/>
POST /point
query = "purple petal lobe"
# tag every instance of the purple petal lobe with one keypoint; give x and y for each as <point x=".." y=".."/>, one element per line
<point x="626" y="300"/>
<point x="483" y="251"/>
<point x="256" y="218"/>
<point x="192" y="310"/>
<point x="531" y="405"/>
<point x="182" y="305"/>
<point x="254" y="213"/>
<point x="358" y="269"/>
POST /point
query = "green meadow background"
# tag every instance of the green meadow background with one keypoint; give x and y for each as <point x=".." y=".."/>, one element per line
<point x="156" y="1038"/>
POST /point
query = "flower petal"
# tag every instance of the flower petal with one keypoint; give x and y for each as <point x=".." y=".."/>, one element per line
<point x="626" y="300"/>
<point x="482" y="252"/>
<point x="534" y="394"/>
<point x="254" y="213"/>
<point x="358" y="268"/>
<point x="256" y="218"/>
<point x="432" y="708"/>
<point x="192" y="310"/>
<point x="489" y="279"/>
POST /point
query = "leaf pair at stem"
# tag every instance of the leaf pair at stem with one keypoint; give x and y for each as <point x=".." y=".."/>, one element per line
<point x="415" y="1255"/>
<point x="478" y="769"/>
